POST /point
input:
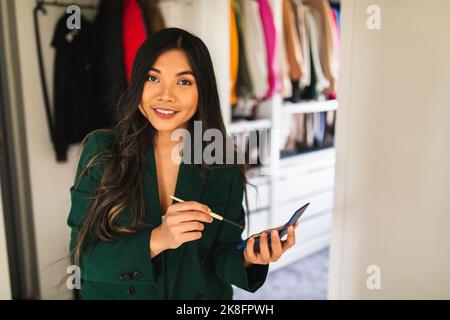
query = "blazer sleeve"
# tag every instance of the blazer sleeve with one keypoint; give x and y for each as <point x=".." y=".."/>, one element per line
<point x="126" y="259"/>
<point x="228" y="262"/>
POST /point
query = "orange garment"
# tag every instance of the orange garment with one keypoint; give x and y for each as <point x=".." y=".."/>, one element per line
<point x="234" y="56"/>
<point x="292" y="42"/>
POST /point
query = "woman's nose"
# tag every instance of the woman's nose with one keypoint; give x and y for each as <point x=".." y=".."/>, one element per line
<point x="165" y="94"/>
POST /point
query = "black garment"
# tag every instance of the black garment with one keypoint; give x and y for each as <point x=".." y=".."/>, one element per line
<point x="75" y="104"/>
<point x="310" y="91"/>
<point x="112" y="80"/>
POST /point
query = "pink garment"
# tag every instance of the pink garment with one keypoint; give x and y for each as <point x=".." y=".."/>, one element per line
<point x="336" y="45"/>
<point x="267" y="21"/>
<point x="134" y="33"/>
<point x="336" y="36"/>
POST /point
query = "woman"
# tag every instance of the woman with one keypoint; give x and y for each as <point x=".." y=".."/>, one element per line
<point x="129" y="238"/>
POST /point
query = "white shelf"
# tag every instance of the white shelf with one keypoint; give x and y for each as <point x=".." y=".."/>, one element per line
<point x="309" y="106"/>
<point x="248" y="125"/>
<point x="310" y="159"/>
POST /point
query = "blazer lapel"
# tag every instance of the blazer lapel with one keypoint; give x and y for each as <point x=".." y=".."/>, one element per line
<point x="189" y="188"/>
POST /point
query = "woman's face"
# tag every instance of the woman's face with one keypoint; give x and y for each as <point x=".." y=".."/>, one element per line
<point x="170" y="96"/>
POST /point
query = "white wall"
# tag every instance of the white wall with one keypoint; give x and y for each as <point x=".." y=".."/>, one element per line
<point x="50" y="181"/>
<point x="392" y="204"/>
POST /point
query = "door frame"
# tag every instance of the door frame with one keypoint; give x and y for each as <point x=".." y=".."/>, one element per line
<point x="14" y="173"/>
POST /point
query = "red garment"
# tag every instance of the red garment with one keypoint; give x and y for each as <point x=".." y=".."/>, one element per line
<point x="133" y="33"/>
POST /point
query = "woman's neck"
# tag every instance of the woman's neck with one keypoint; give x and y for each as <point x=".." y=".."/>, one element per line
<point x="163" y="142"/>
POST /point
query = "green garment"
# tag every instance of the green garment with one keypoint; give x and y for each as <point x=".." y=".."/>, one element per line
<point x="202" y="269"/>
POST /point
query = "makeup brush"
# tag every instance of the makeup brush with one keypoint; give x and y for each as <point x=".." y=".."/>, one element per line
<point x="215" y="215"/>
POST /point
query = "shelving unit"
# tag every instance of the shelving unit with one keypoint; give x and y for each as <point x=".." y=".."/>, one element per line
<point x="249" y="125"/>
<point x="291" y="182"/>
<point x="310" y="106"/>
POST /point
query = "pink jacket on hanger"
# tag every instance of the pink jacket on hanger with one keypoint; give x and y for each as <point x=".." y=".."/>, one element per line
<point x="265" y="12"/>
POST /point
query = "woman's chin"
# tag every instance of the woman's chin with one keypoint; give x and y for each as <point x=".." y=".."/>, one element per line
<point x="165" y="125"/>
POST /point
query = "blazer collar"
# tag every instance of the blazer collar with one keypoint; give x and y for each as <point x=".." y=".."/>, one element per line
<point x="189" y="187"/>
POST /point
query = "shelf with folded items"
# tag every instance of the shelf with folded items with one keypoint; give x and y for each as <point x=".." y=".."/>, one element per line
<point x="311" y="106"/>
<point x="310" y="160"/>
<point x="248" y="125"/>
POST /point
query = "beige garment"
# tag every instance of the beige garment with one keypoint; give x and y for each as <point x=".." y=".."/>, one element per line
<point x="297" y="134"/>
<point x="255" y="46"/>
<point x="315" y="35"/>
<point x="283" y="76"/>
<point x="306" y="67"/>
<point x="292" y="41"/>
<point x="326" y="53"/>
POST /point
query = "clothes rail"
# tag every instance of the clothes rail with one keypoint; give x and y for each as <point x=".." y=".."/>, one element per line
<point x="55" y="3"/>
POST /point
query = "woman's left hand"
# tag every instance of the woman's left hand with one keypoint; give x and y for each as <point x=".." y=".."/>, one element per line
<point x="268" y="253"/>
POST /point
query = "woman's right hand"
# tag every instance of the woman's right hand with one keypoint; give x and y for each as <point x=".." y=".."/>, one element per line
<point x="183" y="222"/>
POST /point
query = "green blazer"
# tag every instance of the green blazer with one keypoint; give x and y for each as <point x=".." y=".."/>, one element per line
<point x="202" y="269"/>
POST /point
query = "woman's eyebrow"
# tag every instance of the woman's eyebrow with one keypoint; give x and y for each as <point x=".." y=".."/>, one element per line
<point x="182" y="73"/>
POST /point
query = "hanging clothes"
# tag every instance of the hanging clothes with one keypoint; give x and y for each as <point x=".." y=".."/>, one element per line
<point x="134" y="33"/>
<point x="270" y="37"/>
<point x="336" y="48"/>
<point x="109" y="56"/>
<point x="292" y="43"/>
<point x="322" y="11"/>
<point x="244" y="82"/>
<point x="315" y="32"/>
<point x="336" y="7"/>
<point x="283" y="78"/>
<point x="303" y="40"/>
<point x="76" y="111"/>
<point x="255" y="48"/>
<point x="234" y="55"/>
<point x="153" y="18"/>
<point x="293" y="49"/>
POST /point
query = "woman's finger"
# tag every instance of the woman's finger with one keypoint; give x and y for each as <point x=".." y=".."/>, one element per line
<point x="189" y="226"/>
<point x="190" y="236"/>
<point x="264" y="248"/>
<point x="290" y="241"/>
<point x="249" y="252"/>
<point x="184" y="216"/>
<point x="189" y="206"/>
<point x="275" y="243"/>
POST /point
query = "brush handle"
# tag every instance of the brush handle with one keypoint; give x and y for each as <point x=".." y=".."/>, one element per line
<point x="214" y="215"/>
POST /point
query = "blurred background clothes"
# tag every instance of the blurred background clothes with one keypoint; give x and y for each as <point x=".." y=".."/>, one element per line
<point x="103" y="53"/>
<point x="76" y="111"/>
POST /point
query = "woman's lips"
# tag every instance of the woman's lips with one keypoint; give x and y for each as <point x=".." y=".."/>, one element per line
<point x="165" y="113"/>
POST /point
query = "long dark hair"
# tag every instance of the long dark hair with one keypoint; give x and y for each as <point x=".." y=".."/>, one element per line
<point x="121" y="183"/>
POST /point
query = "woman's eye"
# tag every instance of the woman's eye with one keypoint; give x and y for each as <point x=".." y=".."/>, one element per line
<point x="185" y="82"/>
<point x="152" y="79"/>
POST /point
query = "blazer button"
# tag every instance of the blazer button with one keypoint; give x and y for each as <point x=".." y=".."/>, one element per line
<point x="131" y="291"/>
<point x="136" y="275"/>
<point x="124" y="277"/>
<point x="200" y="296"/>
